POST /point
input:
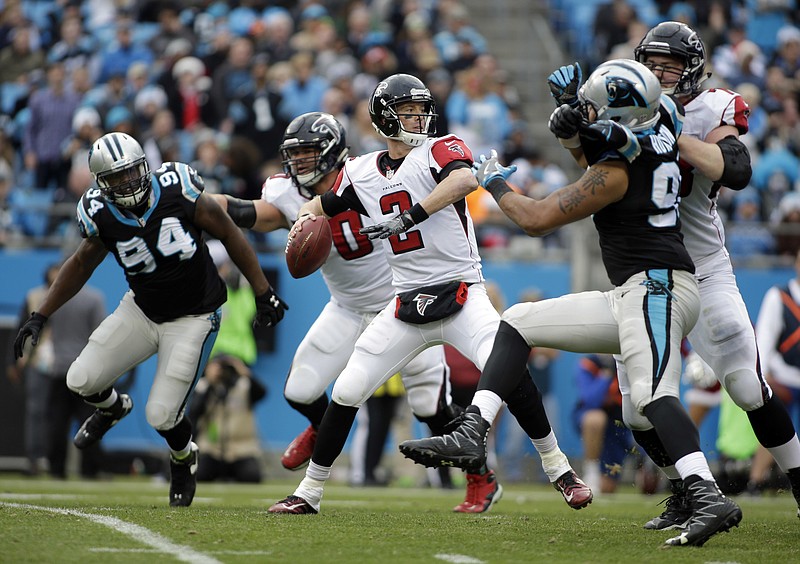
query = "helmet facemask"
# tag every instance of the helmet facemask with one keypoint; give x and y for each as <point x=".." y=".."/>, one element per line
<point x="392" y="93"/>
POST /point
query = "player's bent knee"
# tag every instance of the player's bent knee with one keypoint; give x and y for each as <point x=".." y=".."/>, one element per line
<point x="352" y="388"/>
<point x="159" y="416"/>
<point x="424" y="403"/>
<point x="744" y="388"/>
<point x="81" y="380"/>
<point x="304" y="385"/>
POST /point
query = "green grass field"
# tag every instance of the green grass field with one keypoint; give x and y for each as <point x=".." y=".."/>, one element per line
<point x="129" y="521"/>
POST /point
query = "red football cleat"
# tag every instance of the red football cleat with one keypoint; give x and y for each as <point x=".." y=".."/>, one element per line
<point x="293" y="505"/>
<point x="577" y="494"/>
<point x="483" y="491"/>
<point x="299" y="451"/>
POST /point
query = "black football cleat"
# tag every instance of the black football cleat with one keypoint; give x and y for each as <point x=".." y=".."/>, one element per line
<point x="464" y="447"/>
<point x="101" y="421"/>
<point x="183" y="479"/>
<point x="677" y="511"/>
<point x="712" y="513"/>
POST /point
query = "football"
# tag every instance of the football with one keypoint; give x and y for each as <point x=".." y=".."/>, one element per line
<point x="308" y="246"/>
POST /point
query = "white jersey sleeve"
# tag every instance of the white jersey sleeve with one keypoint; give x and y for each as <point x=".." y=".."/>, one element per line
<point x="703" y="232"/>
<point x="356" y="272"/>
<point x="441" y="248"/>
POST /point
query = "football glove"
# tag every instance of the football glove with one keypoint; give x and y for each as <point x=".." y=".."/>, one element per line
<point x="564" y="122"/>
<point x="613" y="136"/>
<point x="395" y="226"/>
<point x="698" y="373"/>
<point x="269" y="309"/>
<point x="486" y="170"/>
<point x="564" y="83"/>
<point x="31" y="328"/>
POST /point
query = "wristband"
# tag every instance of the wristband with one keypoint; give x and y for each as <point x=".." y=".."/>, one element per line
<point x="573" y="142"/>
<point x="242" y="212"/>
<point x="418" y="214"/>
<point x="498" y="188"/>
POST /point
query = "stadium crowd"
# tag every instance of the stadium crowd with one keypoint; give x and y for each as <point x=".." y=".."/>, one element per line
<point x="214" y="84"/>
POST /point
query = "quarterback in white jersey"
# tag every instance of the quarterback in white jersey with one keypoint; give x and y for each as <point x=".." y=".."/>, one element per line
<point x="359" y="279"/>
<point x="713" y="156"/>
<point x="414" y="192"/>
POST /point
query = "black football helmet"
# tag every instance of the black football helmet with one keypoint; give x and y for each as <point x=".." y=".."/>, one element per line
<point x="677" y="40"/>
<point x="321" y="139"/>
<point x="395" y="90"/>
<point x="119" y="166"/>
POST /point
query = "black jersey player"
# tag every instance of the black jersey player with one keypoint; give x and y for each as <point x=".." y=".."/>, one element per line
<point x="152" y="223"/>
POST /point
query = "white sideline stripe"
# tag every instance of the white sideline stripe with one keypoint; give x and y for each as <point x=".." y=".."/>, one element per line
<point x="458" y="558"/>
<point x="138" y="533"/>
<point x="154" y="551"/>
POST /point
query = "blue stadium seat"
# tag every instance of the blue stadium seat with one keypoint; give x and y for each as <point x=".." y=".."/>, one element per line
<point x="30" y="210"/>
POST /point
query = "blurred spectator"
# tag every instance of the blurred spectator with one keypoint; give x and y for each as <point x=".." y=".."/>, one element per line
<point x="222" y="412"/>
<point x="440" y="83"/>
<point x="170" y="27"/>
<point x="279" y="27"/>
<point x="86" y="128"/>
<point x="21" y="60"/>
<point x="231" y="79"/>
<point x="750" y="65"/>
<point x="636" y="30"/>
<point x="747" y="234"/>
<point x="116" y="58"/>
<point x="757" y="121"/>
<point x="787" y="56"/>
<point x="254" y="113"/>
<point x="50" y="123"/>
<point x="598" y="418"/>
<point x="189" y="95"/>
<point x="161" y="143"/>
<point x="120" y="118"/>
<point x="775" y="172"/>
<point x="146" y="104"/>
<point x="361" y="135"/>
<point x="610" y="27"/>
<point x="108" y="95"/>
<point x="210" y="165"/>
<point x="476" y="114"/>
<point x="764" y="18"/>
<point x="303" y="92"/>
<point x="459" y="43"/>
<point x="786" y="225"/>
<point x="74" y="48"/>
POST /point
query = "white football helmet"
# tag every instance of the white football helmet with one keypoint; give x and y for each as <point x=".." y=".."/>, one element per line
<point x="624" y="91"/>
<point x="120" y="168"/>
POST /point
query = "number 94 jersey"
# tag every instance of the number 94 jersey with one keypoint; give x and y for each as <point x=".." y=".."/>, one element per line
<point x="166" y="262"/>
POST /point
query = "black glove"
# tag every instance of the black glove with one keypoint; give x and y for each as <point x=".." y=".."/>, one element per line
<point x="613" y="136"/>
<point x="269" y="309"/>
<point x="399" y="224"/>
<point x="564" y="83"/>
<point x="564" y="122"/>
<point x="32" y="327"/>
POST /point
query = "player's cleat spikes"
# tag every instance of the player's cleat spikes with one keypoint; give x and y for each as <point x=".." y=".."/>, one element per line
<point x="101" y="421"/>
<point x="293" y="505"/>
<point x="712" y="513"/>
<point x="483" y="491"/>
<point x="299" y="451"/>
<point x="677" y="511"/>
<point x="183" y="478"/>
<point x="794" y="481"/>
<point x="464" y="447"/>
<point x="576" y="493"/>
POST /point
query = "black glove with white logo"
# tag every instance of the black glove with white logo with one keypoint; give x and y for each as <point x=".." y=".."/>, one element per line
<point x="269" y="309"/>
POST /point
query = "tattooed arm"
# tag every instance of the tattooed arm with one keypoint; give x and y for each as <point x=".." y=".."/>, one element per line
<point x="601" y="185"/>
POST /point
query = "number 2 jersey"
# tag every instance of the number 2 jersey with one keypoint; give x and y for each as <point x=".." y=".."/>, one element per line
<point x="356" y="272"/>
<point x="440" y="249"/>
<point x="166" y="262"/>
<point x="642" y="231"/>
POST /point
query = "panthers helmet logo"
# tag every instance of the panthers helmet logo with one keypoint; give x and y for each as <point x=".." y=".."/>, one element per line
<point x="622" y="93"/>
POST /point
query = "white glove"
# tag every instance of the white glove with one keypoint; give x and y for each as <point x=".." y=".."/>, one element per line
<point x="697" y="373"/>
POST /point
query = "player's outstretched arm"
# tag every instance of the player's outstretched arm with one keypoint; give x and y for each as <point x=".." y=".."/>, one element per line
<point x="74" y="274"/>
<point x="258" y="215"/>
<point x="210" y="217"/>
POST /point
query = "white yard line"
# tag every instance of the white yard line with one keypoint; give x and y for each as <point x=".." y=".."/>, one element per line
<point x="136" y="532"/>
<point x="458" y="559"/>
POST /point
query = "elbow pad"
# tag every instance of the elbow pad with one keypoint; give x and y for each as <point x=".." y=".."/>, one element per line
<point x="242" y="212"/>
<point x="736" y="170"/>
